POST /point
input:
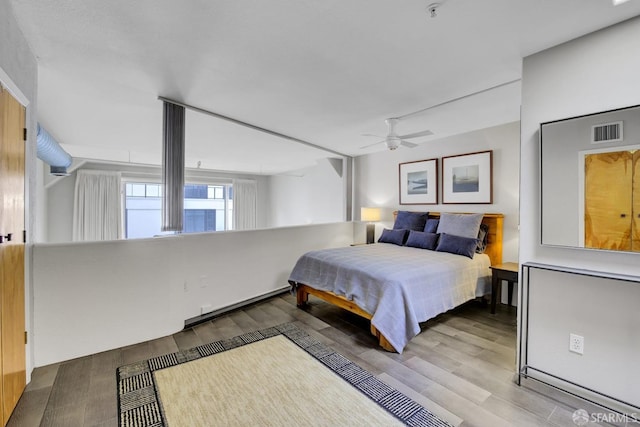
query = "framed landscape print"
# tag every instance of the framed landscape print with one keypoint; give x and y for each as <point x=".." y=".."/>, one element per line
<point x="419" y="182"/>
<point x="467" y="178"/>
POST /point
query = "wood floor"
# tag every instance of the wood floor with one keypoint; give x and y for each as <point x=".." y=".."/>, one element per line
<point x="460" y="367"/>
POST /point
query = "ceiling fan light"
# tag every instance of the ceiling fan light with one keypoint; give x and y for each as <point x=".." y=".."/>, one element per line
<point x="393" y="143"/>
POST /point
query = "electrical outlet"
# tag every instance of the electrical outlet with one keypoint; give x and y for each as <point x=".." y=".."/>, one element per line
<point x="576" y="343"/>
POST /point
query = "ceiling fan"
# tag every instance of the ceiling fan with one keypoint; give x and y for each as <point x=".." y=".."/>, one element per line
<point x="393" y="140"/>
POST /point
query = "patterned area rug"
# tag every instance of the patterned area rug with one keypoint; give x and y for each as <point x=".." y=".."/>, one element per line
<point x="140" y="389"/>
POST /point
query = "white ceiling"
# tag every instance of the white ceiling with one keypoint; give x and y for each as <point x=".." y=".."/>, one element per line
<point x="324" y="71"/>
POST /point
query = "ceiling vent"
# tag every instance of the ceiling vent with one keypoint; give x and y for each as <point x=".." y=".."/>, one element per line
<point x="608" y="132"/>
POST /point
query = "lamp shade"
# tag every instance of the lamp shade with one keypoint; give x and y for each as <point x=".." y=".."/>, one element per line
<point x="370" y="214"/>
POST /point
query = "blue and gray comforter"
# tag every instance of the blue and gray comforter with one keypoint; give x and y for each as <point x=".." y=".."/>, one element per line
<point x="399" y="286"/>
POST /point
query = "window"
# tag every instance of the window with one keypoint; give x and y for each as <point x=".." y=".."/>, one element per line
<point x="216" y="192"/>
<point x="206" y="208"/>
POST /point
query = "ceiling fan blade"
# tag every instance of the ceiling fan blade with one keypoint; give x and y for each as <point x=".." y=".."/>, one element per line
<point x="370" y="134"/>
<point x="417" y="134"/>
<point x="408" y="144"/>
<point x="371" y="145"/>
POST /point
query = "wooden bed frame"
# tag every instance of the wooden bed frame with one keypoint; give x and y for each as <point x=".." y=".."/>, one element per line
<point x="493" y="250"/>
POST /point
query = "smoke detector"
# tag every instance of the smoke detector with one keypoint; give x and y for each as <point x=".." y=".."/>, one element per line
<point x="433" y="9"/>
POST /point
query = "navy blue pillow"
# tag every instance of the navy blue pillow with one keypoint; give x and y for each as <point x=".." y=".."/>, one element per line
<point x="410" y="220"/>
<point x="431" y="225"/>
<point x="393" y="236"/>
<point x="457" y="245"/>
<point x="422" y="240"/>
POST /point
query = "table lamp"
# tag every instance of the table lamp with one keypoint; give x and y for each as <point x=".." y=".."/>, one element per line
<point x="370" y="215"/>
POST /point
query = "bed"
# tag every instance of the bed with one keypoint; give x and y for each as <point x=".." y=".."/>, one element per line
<point x="397" y="287"/>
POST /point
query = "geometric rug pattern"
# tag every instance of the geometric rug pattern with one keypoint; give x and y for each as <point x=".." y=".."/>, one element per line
<point x="139" y="405"/>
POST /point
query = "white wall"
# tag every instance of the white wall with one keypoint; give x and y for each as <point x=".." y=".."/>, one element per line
<point x="91" y="297"/>
<point x="312" y="195"/>
<point x="377" y="178"/>
<point x="19" y="72"/>
<point x="606" y="351"/>
<point x="594" y="73"/>
<point x="59" y="209"/>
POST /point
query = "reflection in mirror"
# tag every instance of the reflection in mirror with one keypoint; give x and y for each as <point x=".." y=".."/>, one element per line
<point x="590" y="181"/>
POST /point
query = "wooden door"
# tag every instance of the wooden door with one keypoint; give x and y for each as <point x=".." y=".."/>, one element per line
<point x="12" y="304"/>
<point x="635" y="222"/>
<point x="608" y="200"/>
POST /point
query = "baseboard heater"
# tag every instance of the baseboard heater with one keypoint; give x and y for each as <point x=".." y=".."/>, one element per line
<point x="577" y="330"/>
<point x="217" y="313"/>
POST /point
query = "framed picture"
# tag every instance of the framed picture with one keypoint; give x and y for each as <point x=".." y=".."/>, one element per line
<point x="419" y="182"/>
<point x="468" y="178"/>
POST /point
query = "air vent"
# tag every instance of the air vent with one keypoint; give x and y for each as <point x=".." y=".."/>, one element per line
<point x="608" y="132"/>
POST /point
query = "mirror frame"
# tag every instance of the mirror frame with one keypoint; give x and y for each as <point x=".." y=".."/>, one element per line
<point x="545" y="147"/>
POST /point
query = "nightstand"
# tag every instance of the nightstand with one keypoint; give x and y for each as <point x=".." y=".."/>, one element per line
<point x="508" y="272"/>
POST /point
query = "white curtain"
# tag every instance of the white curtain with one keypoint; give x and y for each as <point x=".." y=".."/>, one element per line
<point x="245" y="196"/>
<point x="96" y="206"/>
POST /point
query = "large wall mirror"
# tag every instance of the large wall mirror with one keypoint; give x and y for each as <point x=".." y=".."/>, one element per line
<point x="590" y="181"/>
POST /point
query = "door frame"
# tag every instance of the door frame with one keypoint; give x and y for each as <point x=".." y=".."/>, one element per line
<point x="8" y="84"/>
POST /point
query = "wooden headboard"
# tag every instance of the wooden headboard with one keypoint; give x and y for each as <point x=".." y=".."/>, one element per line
<point x="494" y="241"/>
